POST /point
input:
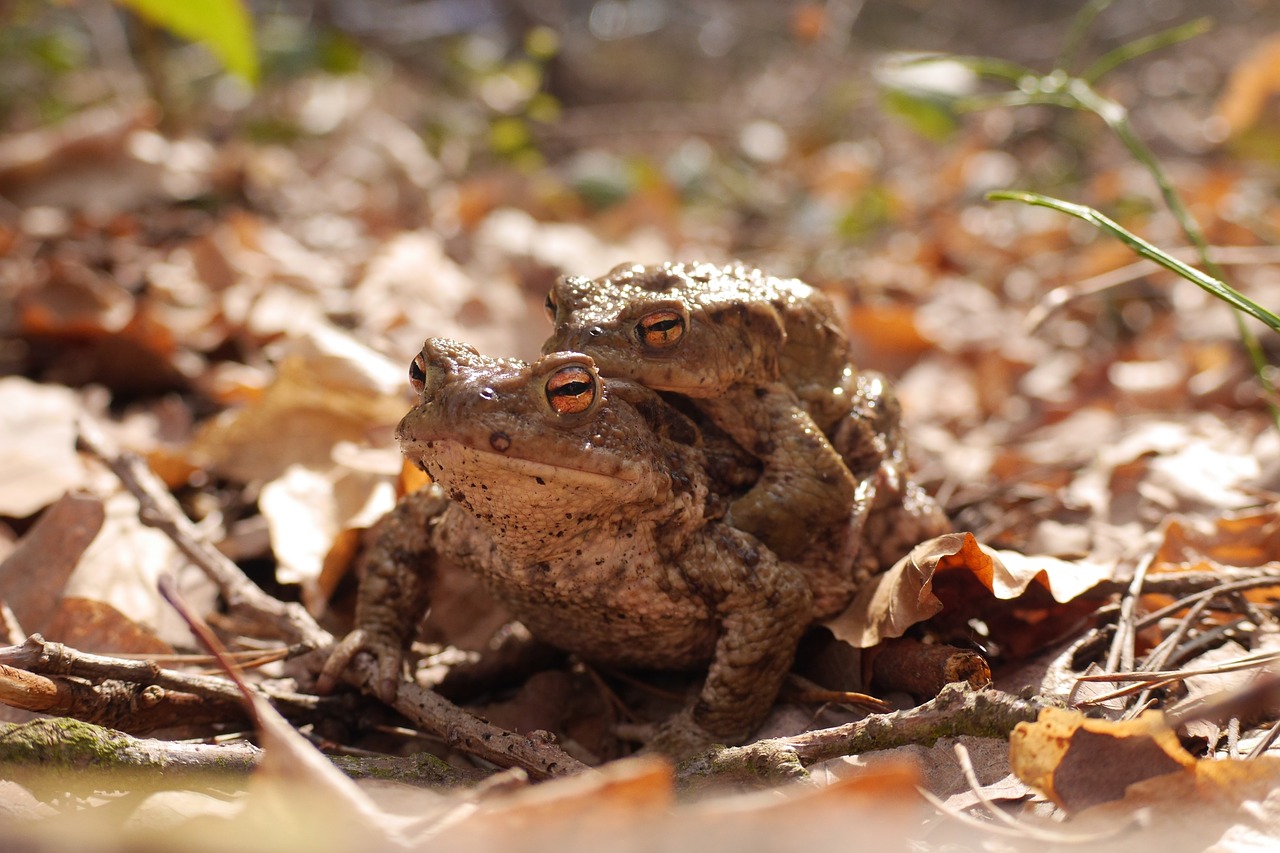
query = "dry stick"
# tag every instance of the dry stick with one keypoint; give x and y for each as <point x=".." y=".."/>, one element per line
<point x="1122" y="646"/>
<point x="70" y="750"/>
<point x="65" y="750"/>
<point x="131" y="695"/>
<point x="41" y="656"/>
<point x="1264" y="577"/>
<point x="1233" y="665"/>
<point x="957" y="710"/>
<point x="158" y="509"/>
<point x="1206" y="639"/>
<point x="1269" y="738"/>
<point x="540" y="758"/>
<point x="1161" y="655"/>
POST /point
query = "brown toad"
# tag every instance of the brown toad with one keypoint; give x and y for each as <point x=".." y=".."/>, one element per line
<point x="585" y="506"/>
<point x="766" y="360"/>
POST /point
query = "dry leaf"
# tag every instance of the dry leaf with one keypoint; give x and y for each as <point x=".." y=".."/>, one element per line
<point x="1253" y="82"/>
<point x="329" y="389"/>
<point x="122" y="566"/>
<point x="33" y="577"/>
<point x="306" y="510"/>
<point x="95" y="626"/>
<point x="1079" y="762"/>
<point x="38" y="433"/>
<point x="909" y="593"/>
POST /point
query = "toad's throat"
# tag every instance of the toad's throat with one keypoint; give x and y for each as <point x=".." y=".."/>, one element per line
<point x="446" y="454"/>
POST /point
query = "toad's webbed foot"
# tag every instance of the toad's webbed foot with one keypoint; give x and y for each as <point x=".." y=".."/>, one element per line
<point x="386" y="651"/>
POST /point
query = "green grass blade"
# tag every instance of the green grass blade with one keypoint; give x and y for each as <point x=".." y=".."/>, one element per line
<point x="1074" y="41"/>
<point x="1147" y="44"/>
<point x="1212" y="285"/>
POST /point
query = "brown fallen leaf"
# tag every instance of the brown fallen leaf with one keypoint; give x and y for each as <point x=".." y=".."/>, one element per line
<point x="329" y="388"/>
<point x="955" y="571"/>
<point x="1109" y="772"/>
<point x="119" y="569"/>
<point x="33" y="577"/>
<point x="95" y="626"/>
<point x="1079" y="762"/>
<point x="1244" y="540"/>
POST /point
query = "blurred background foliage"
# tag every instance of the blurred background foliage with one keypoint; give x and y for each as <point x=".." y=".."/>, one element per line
<point x="772" y="110"/>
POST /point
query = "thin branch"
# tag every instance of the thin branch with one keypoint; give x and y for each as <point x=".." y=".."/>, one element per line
<point x="956" y="711"/>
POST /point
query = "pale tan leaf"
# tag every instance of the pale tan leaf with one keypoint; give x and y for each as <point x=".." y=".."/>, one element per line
<point x="38" y="433"/>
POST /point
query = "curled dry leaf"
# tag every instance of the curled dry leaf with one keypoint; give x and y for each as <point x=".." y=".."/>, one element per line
<point x="955" y="571"/>
<point x="307" y="510"/>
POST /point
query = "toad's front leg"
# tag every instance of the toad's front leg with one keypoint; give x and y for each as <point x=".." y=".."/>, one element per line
<point x="763" y="606"/>
<point x="394" y="570"/>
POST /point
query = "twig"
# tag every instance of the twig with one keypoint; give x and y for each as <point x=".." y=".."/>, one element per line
<point x="158" y="509"/>
<point x="1269" y="738"/>
<point x="1268" y="577"/>
<point x="64" y="749"/>
<point x="957" y="710"/>
<point x="134" y="696"/>
<point x="1122" y="645"/>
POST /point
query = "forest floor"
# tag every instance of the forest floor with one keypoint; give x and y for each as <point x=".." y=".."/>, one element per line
<point x="231" y="284"/>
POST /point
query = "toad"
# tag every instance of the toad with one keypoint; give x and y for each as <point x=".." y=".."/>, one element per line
<point x="585" y="506"/>
<point x="766" y="360"/>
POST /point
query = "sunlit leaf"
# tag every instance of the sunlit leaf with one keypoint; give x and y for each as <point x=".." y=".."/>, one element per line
<point x="223" y="26"/>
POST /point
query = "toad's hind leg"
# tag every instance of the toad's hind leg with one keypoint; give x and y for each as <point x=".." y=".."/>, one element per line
<point x="805" y="490"/>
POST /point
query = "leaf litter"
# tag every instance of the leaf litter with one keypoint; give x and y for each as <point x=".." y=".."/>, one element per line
<point x="252" y="349"/>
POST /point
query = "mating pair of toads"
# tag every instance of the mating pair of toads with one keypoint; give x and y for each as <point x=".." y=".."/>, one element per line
<point x="691" y="476"/>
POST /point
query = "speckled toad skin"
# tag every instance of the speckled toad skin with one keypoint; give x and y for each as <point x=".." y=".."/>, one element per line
<point x="585" y="507"/>
<point x="766" y="360"/>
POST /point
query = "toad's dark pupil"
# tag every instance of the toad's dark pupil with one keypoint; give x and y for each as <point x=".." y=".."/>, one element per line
<point x="417" y="373"/>
<point x="661" y="329"/>
<point x="571" y="389"/>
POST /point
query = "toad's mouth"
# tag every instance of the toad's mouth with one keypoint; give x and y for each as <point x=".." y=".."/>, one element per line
<point x="436" y="455"/>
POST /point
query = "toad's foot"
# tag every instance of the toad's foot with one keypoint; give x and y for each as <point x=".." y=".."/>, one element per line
<point x="385" y="649"/>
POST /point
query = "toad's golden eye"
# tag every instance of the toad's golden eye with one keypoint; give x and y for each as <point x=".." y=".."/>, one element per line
<point x="550" y="305"/>
<point x="571" y="389"/>
<point x="418" y="374"/>
<point x="661" y="329"/>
